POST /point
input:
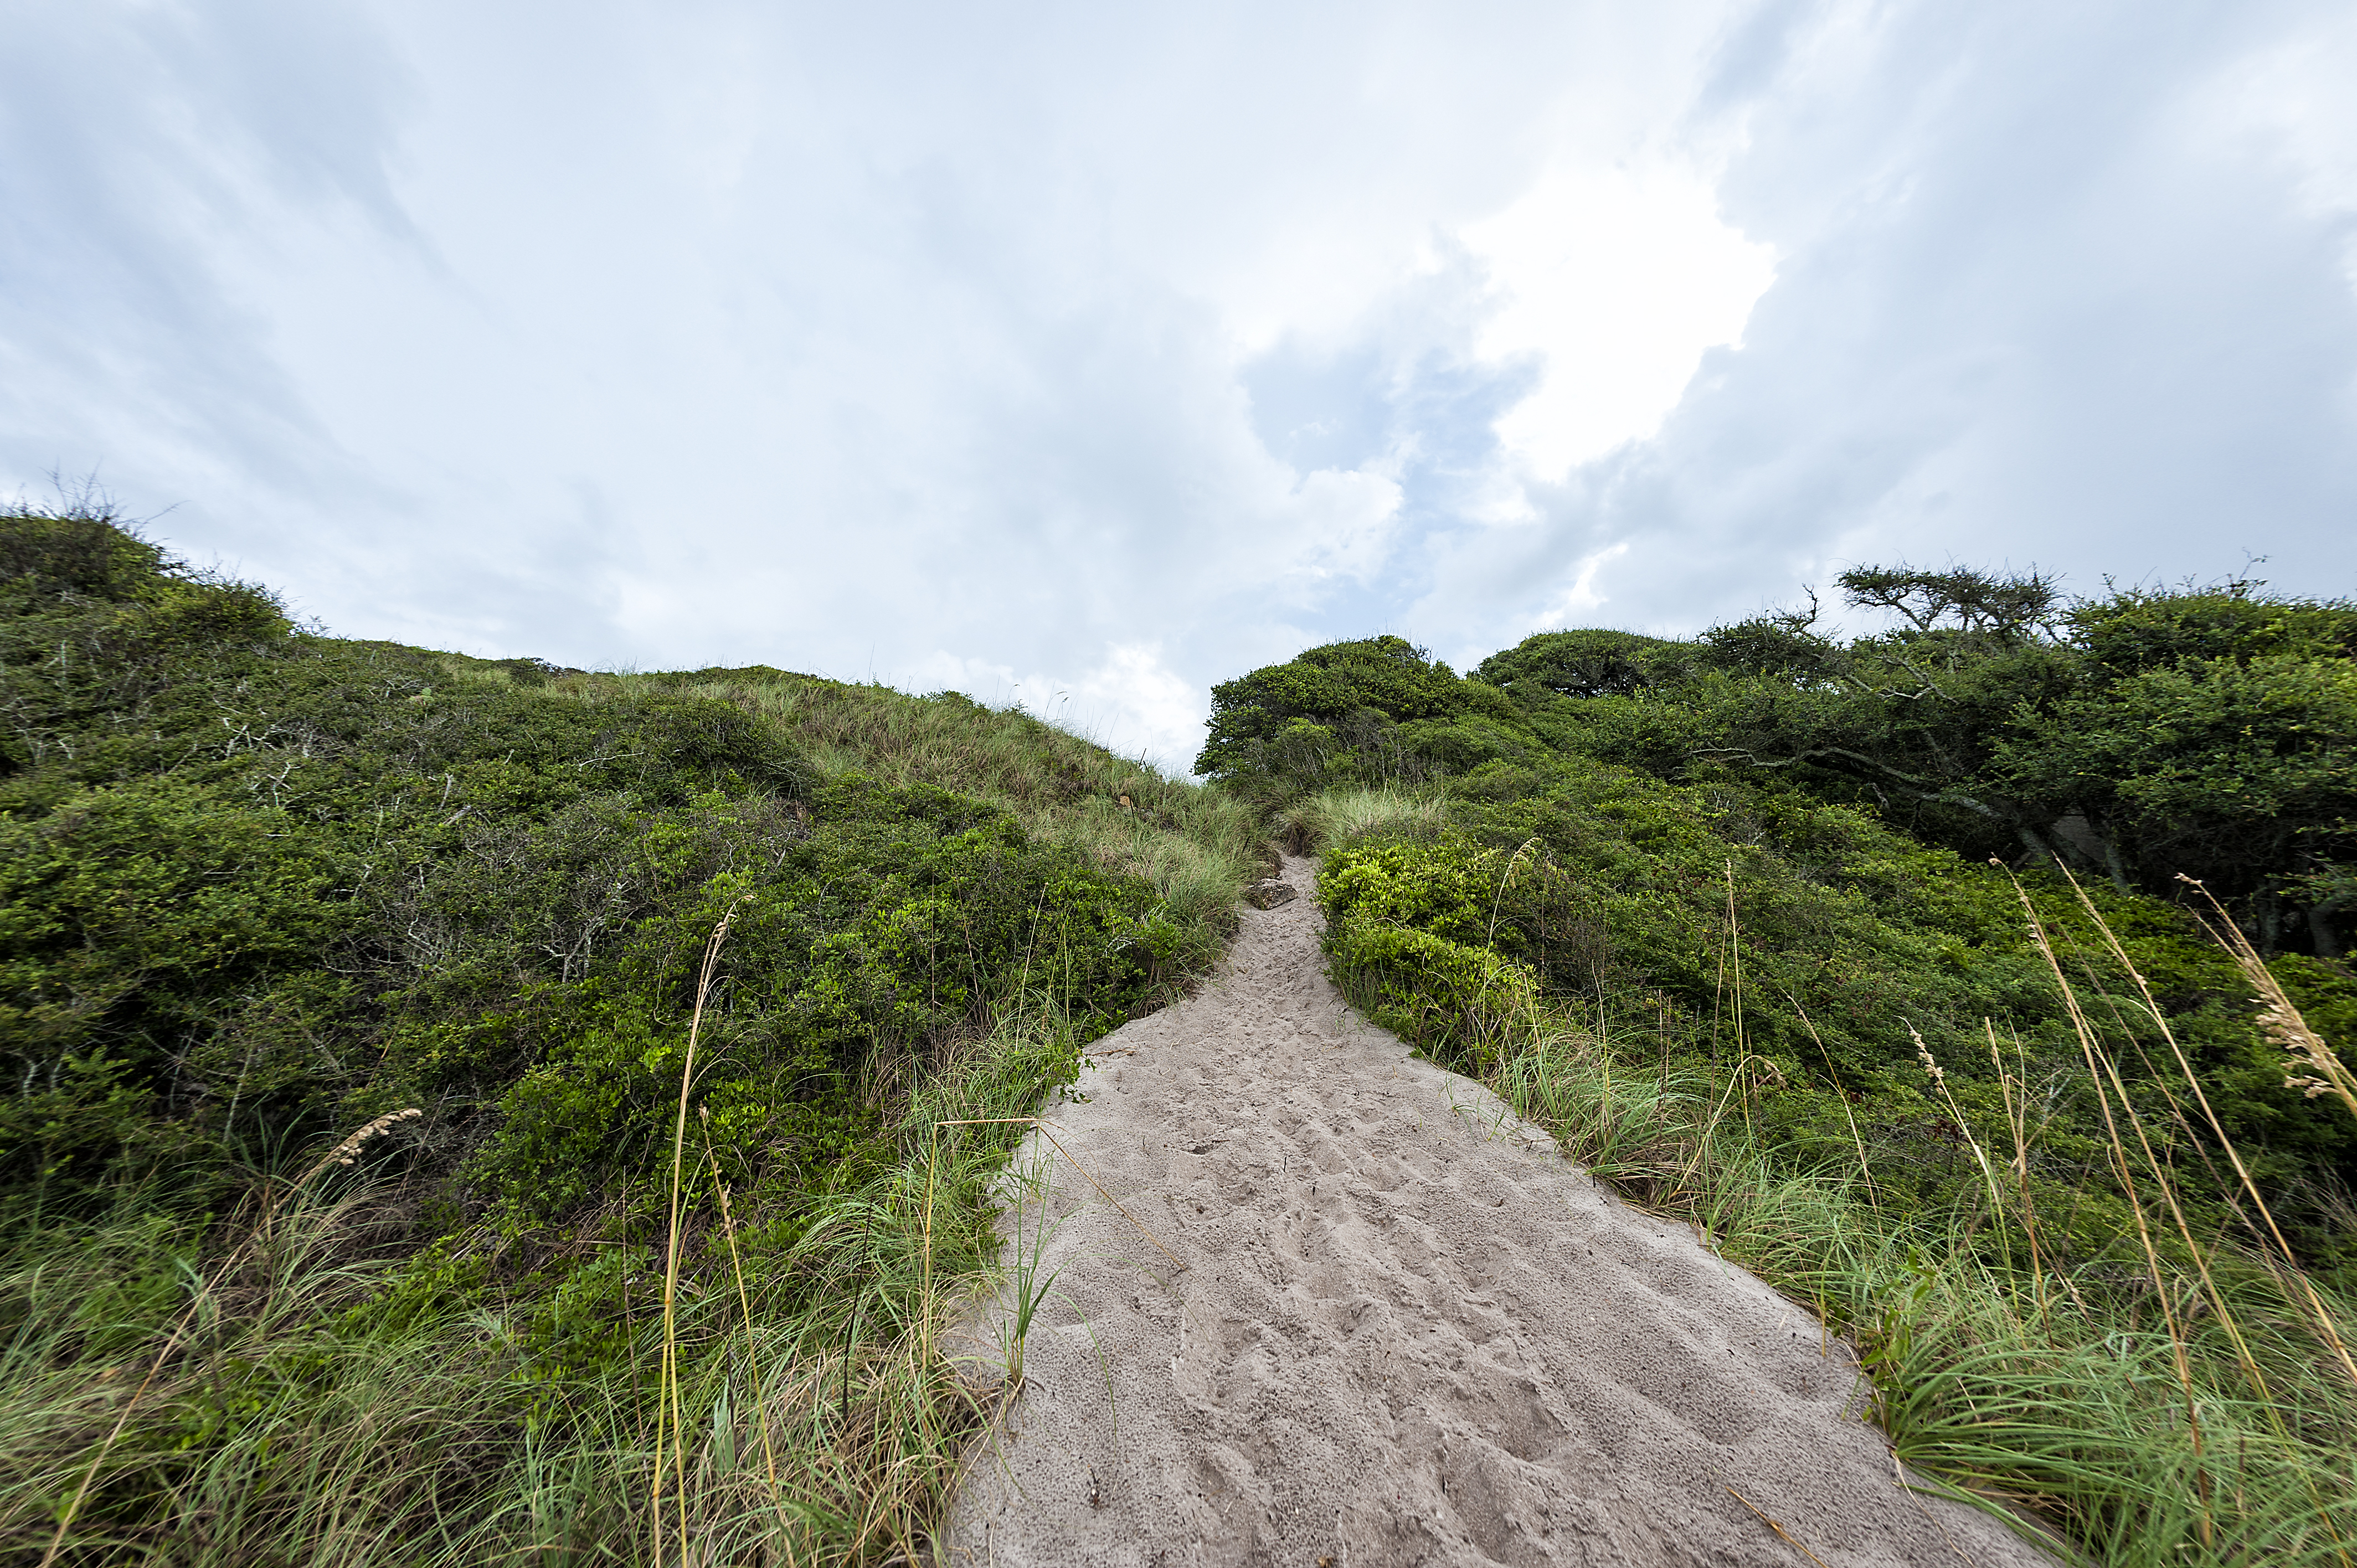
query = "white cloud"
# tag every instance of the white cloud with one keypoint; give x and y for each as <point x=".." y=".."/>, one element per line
<point x="1582" y="598"/>
<point x="2296" y="96"/>
<point x="1126" y="347"/>
<point x="2037" y="300"/>
<point x="1620" y="278"/>
<point x="1137" y="704"/>
<point x="1350" y="518"/>
<point x="1127" y="699"/>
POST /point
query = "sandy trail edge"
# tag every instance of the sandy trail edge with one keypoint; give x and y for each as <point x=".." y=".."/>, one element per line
<point x="1409" y="1332"/>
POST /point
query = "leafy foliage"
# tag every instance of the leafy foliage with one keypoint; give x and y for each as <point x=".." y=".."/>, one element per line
<point x="1407" y="922"/>
<point x="1709" y="827"/>
<point x="1724" y="916"/>
<point x="1849" y="940"/>
<point x="1581" y="664"/>
<point x="259" y="887"/>
<point x="1840" y="1052"/>
<point x="2138" y="738"/>
<point x="1373" y="711"/>
<point x="257" y="884"/>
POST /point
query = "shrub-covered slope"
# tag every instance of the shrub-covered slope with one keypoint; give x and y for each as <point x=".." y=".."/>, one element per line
<point x="1849" y="942"/>
<point x="1843" y="1055"/>
<point x="1602" y="827"/>
<point x="1725" y="916"/>
<point x="260" y="886"/>
<point x="2209" y="732"/>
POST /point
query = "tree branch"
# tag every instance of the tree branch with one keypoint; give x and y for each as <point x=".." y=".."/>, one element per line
<point x="1922" y="789"/>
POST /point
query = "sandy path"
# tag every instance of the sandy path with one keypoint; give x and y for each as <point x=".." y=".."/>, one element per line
<point x="1409" y="1331"/>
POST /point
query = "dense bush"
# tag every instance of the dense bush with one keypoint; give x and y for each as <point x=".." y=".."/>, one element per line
<point x="1711" y="832"/>
<point x="1742" y="926"/>
<point x="257" y="886"/>
<point x="1843" y="1055"/>
<point x="1375" y="711"/>
<point x="2136" y="737"/>
<point x="261" y="889"/>
<point x="2070" y="1306"/>
<point x="1412" y="925"/>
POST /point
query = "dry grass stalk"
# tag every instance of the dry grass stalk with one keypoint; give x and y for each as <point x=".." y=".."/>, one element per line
<point x="1955" y="1113"/>
<point x="2017" y="1120"/>
<point x="667" y="1396"/>
<point x="2327" y="1328"/>
<point x="1864" y="1174"/>
<point x="348" y="1151"/>
<point x="2092" y="1051"/>
<point x="1781" y="1534"/>
<point x="1734" y="958"/>
<point x="343" y="1155"/>
<point x="752" y="1342"/>
<point x="2320" y="1070"/>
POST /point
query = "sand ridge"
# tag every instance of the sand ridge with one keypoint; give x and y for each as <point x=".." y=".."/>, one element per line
<point x="1408" y="1331"/>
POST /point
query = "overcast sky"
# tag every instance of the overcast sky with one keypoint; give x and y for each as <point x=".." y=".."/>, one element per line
<point x="1084" y="354"/>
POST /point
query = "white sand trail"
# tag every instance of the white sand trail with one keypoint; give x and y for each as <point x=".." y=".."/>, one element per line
<point x="1409" y="1331"/>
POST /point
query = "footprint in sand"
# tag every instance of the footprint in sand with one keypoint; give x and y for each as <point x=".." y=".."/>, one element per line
<point x="1408" y="1331"/>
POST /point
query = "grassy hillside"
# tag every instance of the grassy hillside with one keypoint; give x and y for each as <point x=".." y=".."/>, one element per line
<point x="395" y="1165"/>
<point x="2024" y="1136"/>
<point x="461" y="1111"/>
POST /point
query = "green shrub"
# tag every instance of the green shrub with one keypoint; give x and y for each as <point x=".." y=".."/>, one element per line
<point x="1454" y="1003"/>
<point x="258" y="887"/>
<point x="1813" y="942"/>
<point x="2034" y="1327"/>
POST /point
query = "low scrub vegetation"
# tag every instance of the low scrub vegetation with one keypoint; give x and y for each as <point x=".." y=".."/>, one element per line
<point x="393" y="1168"/>
<point x="465" y="1110"/>
<point x="2139" y="736"/>
<point x="2072" y="1289"/>
<point x="2016" y="1124"/>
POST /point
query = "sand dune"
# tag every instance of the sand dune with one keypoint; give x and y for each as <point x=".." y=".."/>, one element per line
<point x="1408" y="1331"/>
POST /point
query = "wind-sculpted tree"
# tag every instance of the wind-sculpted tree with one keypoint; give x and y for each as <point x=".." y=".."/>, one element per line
<point x="2148" y="733"/>
<point x="2214" y="733"/>
<point x="1586" y="664"/>
<point x="1909" y="717"/>
<point x="1961" y="602"/>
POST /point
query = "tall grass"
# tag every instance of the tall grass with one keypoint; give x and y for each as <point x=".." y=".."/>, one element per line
<point x="822" y="1402"/>
<point x="2195" y="1404"/>
<point x="1334" y="816"/>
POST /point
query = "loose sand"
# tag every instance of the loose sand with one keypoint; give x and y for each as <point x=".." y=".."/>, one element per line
<point x="1408" y="1330"/>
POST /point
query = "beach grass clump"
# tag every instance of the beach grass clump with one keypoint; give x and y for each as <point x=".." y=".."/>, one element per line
<point x="317" y="1403"/>
<point x="1313" y="822"/>
<point x="2086" y="1285"/>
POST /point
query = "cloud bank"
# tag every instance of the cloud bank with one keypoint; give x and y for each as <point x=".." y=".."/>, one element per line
<point x="1084" y="358"/>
